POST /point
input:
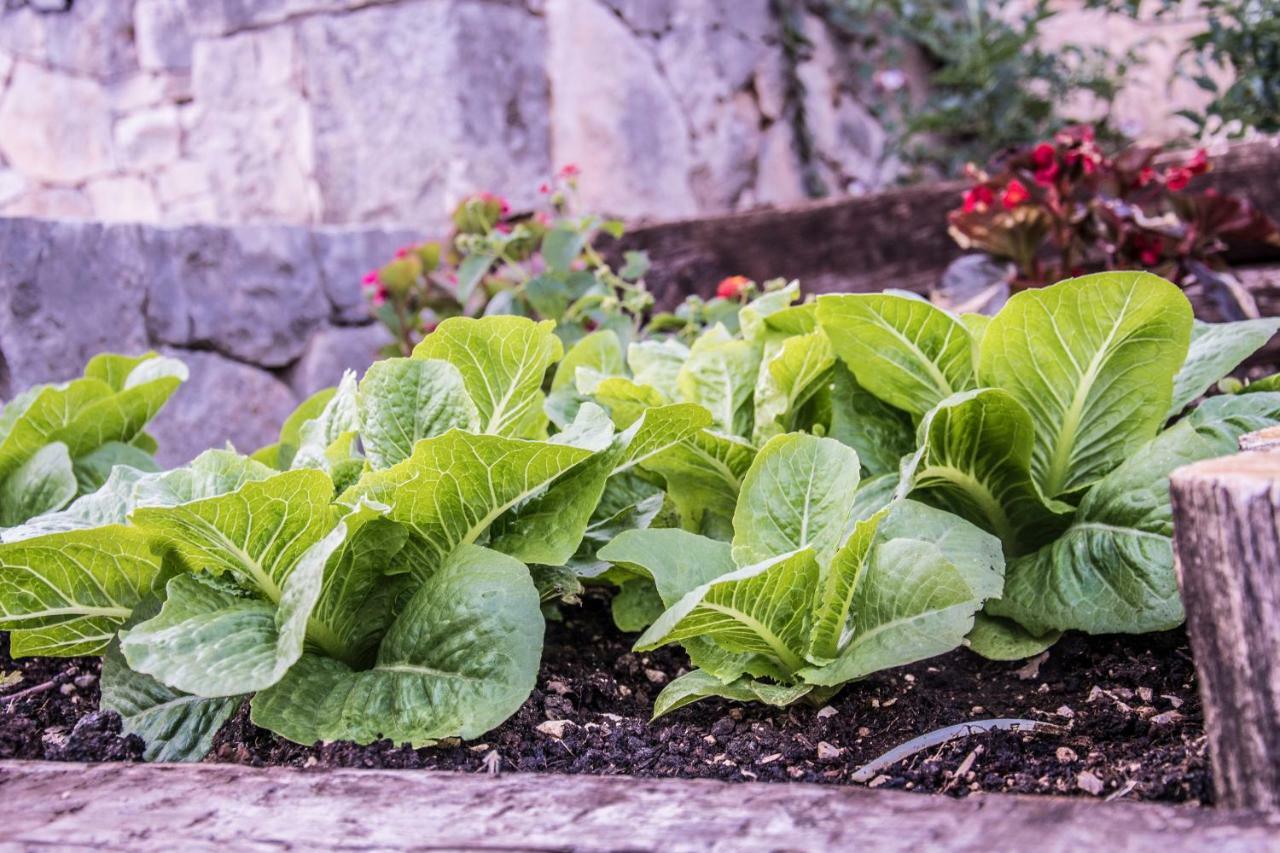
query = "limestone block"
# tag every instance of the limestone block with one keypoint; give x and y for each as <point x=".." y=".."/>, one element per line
<point x="161" y="34"/>
<point x="123" y="199"/>
<point x="615" y="116"/>
<point x="250" y="292"/>
<point x="149" y="138"/>
<point x="223" y="401"/>
<point x="223" y="17"/>
<point x="334" y="350"/>
<point x="138" y="91"/>
<point x="181" y="181"/>
<point x="56" y="128"/>
<point x="12" y="185"/>
<point x="68" y="290"/>
<point x="344" y="255"/>
<point x="50" y="203"/>
<point x="93" y="39"/>
<point x="400" y="131"/>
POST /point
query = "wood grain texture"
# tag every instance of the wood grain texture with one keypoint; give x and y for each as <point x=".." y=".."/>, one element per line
<point x="1227" y="545"/>
<point x="209" y="806"/>
<point x="896" y="238"/>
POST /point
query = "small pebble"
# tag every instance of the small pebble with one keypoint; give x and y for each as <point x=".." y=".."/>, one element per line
<point x="1089" y="783"/>
<point x="1168" y="718"/>
<point x="827" y="752"/>
<point x="655" y="676"/>
<point x="826" y="711"/>
<point x="554" y="728"/>
<point x="84" y="682"/>
<point x="1067" y="755"/>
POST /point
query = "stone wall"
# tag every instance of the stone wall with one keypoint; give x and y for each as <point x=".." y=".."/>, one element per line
<point x="263" y="315"/>
<point x="387" y="111"/>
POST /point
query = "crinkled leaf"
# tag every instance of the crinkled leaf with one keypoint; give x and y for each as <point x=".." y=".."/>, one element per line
<point x="325" y="440"/>
<point x="456" y="485"/>
<point x="75" y="588"/>
<point x="175" y="726"/>
<point x="834" y="602"/>
<point x="787" y="380"/>
<point x="974" y="459"/>
<point x="704" y="474"/>
<point x="502" y="361"/>
<point x="635" y="605"/>
<point x="600" y="351"/>
<point x="905" y="351"/>
<point x="212" y="640"/>
<point x="1092" y="360"/>
<point x="404" y="400"/>
<point x="762" y="609"/>
<point x="796" y="495"/>
<point x="1216" y="350"/>
<point x="1112" y="570"/>
<point x="698" y="684"/>
<point x="881" y="434"/>
<point x="461" y="658"/>
<point x="657" y="363"/>
<point x="257" y="533"/>
<point x="719" y="375"/>
<point x="44" y="483"/>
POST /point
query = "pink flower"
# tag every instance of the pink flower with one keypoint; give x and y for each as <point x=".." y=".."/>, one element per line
<point x="403" y="251"/>
<point x="503" y="228"/>
<point x="1177" y="178"/>
<point x="370" y="279"/>
<point x="978" y="198"/>
<point x="544" y="187"/>
<point x="1146" y="176"/>
<point x="1014" y="194"/>
<point x="570" y="170"/>
<point x="380" y="295"/>
<point x="1199" y="162"/>
<point x="732" y="287"/>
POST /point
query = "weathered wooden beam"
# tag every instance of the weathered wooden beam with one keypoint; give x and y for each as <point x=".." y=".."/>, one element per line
<point x="163" y="808"/>
<point x="1227" y="543"/>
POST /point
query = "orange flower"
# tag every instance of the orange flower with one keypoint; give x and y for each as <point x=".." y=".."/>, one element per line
<point x="732" y="287"/>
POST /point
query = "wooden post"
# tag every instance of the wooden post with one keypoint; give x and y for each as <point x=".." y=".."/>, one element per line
<point x="1227" y="544"/>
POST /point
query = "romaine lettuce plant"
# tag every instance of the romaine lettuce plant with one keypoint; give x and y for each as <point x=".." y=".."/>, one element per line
<point x="807" y="596"/>
<point x="366" y="576"/>
<point x="61" y="440"/>
<point x="1054" y="425"/>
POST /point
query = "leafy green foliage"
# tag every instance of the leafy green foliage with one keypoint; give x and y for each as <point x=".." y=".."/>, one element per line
<point x="1062" y="447"/>
<point x="805" y="597"/>
<point x="57" y="440"/>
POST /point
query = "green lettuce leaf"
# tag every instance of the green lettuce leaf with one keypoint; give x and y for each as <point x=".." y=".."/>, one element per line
<point x="1216" y="350"/>
<point x="404" y="400"/>
<point x="1092" y="360"/>
<point x="502" y="361"/>
<point x="907" y="352"/>
<point x="461" y="657"/>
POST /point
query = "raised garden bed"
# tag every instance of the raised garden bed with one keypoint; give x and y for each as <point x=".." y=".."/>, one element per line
<point x="1127" y="707"/>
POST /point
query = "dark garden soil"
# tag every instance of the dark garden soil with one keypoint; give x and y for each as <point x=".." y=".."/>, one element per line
<point x="1128" y="706"/>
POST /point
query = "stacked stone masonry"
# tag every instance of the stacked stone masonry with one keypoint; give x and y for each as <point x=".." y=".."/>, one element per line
<point x="262" y="315"/>
<point x="388" y="111"/>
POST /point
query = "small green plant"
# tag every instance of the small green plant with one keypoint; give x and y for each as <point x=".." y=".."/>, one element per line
<point x="991" y="83"/>
<point x="541" y="264"/>
<point x="59" y="441"/>
<point x="1236" y="58"/>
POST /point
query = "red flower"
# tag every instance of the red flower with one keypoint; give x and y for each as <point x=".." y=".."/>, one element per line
<point x="1146" y="176"/>
<point x="1177" y="178"/>
<point x="1199" y="162"/>
<point x="570" y="170"/>
<point x="1149" y="249"/>
<point x="1014" y="195"/>
<point x="732" y="287"/>
<point x="978" y="198"/>
<point x="379" y="294"/>
<point x="1044" y="155"/>
<point x="1047" y="175"/>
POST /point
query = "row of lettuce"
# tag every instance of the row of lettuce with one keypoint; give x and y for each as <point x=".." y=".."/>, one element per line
<point x="808" y="494"/>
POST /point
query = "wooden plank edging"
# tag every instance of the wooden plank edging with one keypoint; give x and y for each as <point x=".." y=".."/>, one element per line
<point x="212" y="806"/>
<point x="1227" y="547"/>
